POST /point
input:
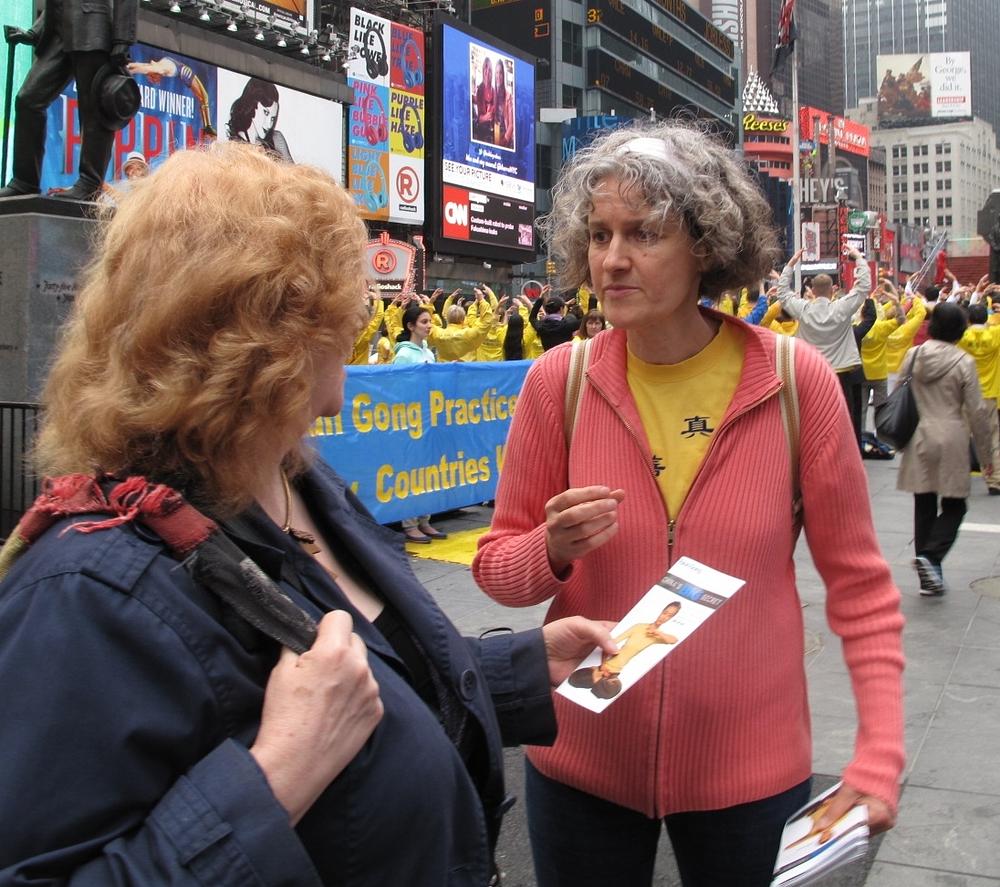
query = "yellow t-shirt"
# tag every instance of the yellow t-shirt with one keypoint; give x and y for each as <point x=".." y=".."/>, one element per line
<point x="681" y="405"/>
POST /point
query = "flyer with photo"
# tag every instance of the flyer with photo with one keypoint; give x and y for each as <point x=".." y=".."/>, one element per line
<point x="666" y="615"/>
<point x="808" y="854"/>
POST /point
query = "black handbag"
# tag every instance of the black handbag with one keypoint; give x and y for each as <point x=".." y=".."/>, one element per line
<point x="898" y="417"/>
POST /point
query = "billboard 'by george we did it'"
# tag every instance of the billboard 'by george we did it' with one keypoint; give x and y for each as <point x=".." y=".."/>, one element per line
<point x="485" y="202"/>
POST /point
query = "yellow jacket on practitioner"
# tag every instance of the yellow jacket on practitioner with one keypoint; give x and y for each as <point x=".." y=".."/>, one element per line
<point x="983" y="343"/>
<point x="459" y="342"/>
<point x="362" y="346"/>
<point x="781" y="327"/>
<point x="491" y="348"/>
<point x="531" y="343"/>
<point x="873" y="349"/>
<point x="900" y="341"/>
<point x="393" y="319"/>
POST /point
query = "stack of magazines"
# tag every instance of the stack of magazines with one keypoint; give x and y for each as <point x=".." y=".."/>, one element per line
<point x="808" y="854"/>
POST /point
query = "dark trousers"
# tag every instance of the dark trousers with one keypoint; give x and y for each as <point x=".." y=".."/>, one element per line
<point x="578" y="840"/>
<point x="851" y="382"/>
<point x="934" y="533"/>
<point x="53" y="69"/>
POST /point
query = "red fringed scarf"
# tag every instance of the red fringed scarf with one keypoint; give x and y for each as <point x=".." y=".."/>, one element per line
<point x="211" y="558"/>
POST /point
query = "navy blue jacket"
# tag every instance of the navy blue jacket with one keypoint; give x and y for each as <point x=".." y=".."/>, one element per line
<point x="129" y="697"/>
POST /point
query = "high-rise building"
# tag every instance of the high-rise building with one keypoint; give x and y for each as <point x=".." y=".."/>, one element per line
<point x="615" y="59"/>
<point x="818" y="52"/>
<point x="891" y="27"/>
<point x="752" y="25"/>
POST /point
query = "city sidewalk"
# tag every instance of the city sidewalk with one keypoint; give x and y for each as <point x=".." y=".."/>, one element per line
<point x="949" y="822"/>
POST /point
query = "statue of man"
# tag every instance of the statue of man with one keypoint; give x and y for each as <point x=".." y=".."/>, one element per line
<point x="993" y="239"/>
<point x="72" y="39"/>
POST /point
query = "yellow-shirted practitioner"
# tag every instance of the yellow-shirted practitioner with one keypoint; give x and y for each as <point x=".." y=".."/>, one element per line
<point x="491" y="347"/>
<point x="777" y="321"/>
<point x="983" y="343"/>
<point x="873" y="353"/>
<point x="361" y="352"/>
<point x="459" y="340"/>
<point x="900" y="341"/>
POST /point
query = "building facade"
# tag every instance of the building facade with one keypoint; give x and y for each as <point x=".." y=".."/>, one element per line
<point x="767" y="135"/>
<point x="889" y="27"/>
<point x="939" y="176"/>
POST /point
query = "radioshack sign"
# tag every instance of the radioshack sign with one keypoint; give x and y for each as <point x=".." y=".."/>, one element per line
<point x="394" y="265"/>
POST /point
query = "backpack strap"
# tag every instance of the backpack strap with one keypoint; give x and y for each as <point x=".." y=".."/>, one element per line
<point x="576" y="382"/>
<point x="784" y="355"/>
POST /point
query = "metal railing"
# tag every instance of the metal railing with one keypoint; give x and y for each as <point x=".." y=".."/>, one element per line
<point x="18" y="485"/>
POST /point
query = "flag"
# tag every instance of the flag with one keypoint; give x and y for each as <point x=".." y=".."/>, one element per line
<point x="785" y="24"/>
<point x="786" y="36"/>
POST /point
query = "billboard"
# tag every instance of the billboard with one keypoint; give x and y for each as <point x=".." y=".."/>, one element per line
<point x="852" y="144"/>
<point x="294" y="13"/>
<point x="296" y="126"/>
<point x="186" y="102"/>
<point x="394" y="266"/>
<point x="485" y="205"/>
<point x="919" y="89"/>
<point x="910" y="248"/>
<point x="526" y="24"/>
<point x="387" y="119"/>
<point x="816" y="125"/>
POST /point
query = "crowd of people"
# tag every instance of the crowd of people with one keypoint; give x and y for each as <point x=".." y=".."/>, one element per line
<point x="251" y="684"/>
<point x="947" y="336"/>
<point x="481" y="326"/>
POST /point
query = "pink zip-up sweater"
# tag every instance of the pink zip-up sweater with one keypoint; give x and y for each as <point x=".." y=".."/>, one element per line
<point x="724" y="719"/>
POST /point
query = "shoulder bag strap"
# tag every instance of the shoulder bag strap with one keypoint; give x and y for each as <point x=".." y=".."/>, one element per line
<point x="576" y="382"/>
<point x="784" y="355"/>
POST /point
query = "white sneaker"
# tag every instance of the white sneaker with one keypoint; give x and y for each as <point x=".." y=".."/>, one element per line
<point x="931" y="580"/>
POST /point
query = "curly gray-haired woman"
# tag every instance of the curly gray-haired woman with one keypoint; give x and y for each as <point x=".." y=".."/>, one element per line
<point x="714" y="741"/>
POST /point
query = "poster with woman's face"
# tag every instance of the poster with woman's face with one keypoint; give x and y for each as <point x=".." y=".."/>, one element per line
<point x="493" y="97"/>
<point x="293" y="125"/>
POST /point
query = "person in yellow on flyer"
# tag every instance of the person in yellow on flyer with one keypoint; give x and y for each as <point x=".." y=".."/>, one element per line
<point x="603" y="680"/>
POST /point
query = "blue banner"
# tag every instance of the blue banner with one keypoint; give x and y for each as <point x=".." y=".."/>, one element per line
<point x="423" y="439"/>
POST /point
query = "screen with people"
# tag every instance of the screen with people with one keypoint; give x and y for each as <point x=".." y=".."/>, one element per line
<point x="492" y="91"/>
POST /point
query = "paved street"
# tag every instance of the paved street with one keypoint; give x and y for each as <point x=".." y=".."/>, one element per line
<point x="949" y="825"/>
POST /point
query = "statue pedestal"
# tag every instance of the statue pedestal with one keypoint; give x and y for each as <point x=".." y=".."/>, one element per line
<point x="44" y="243"/>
